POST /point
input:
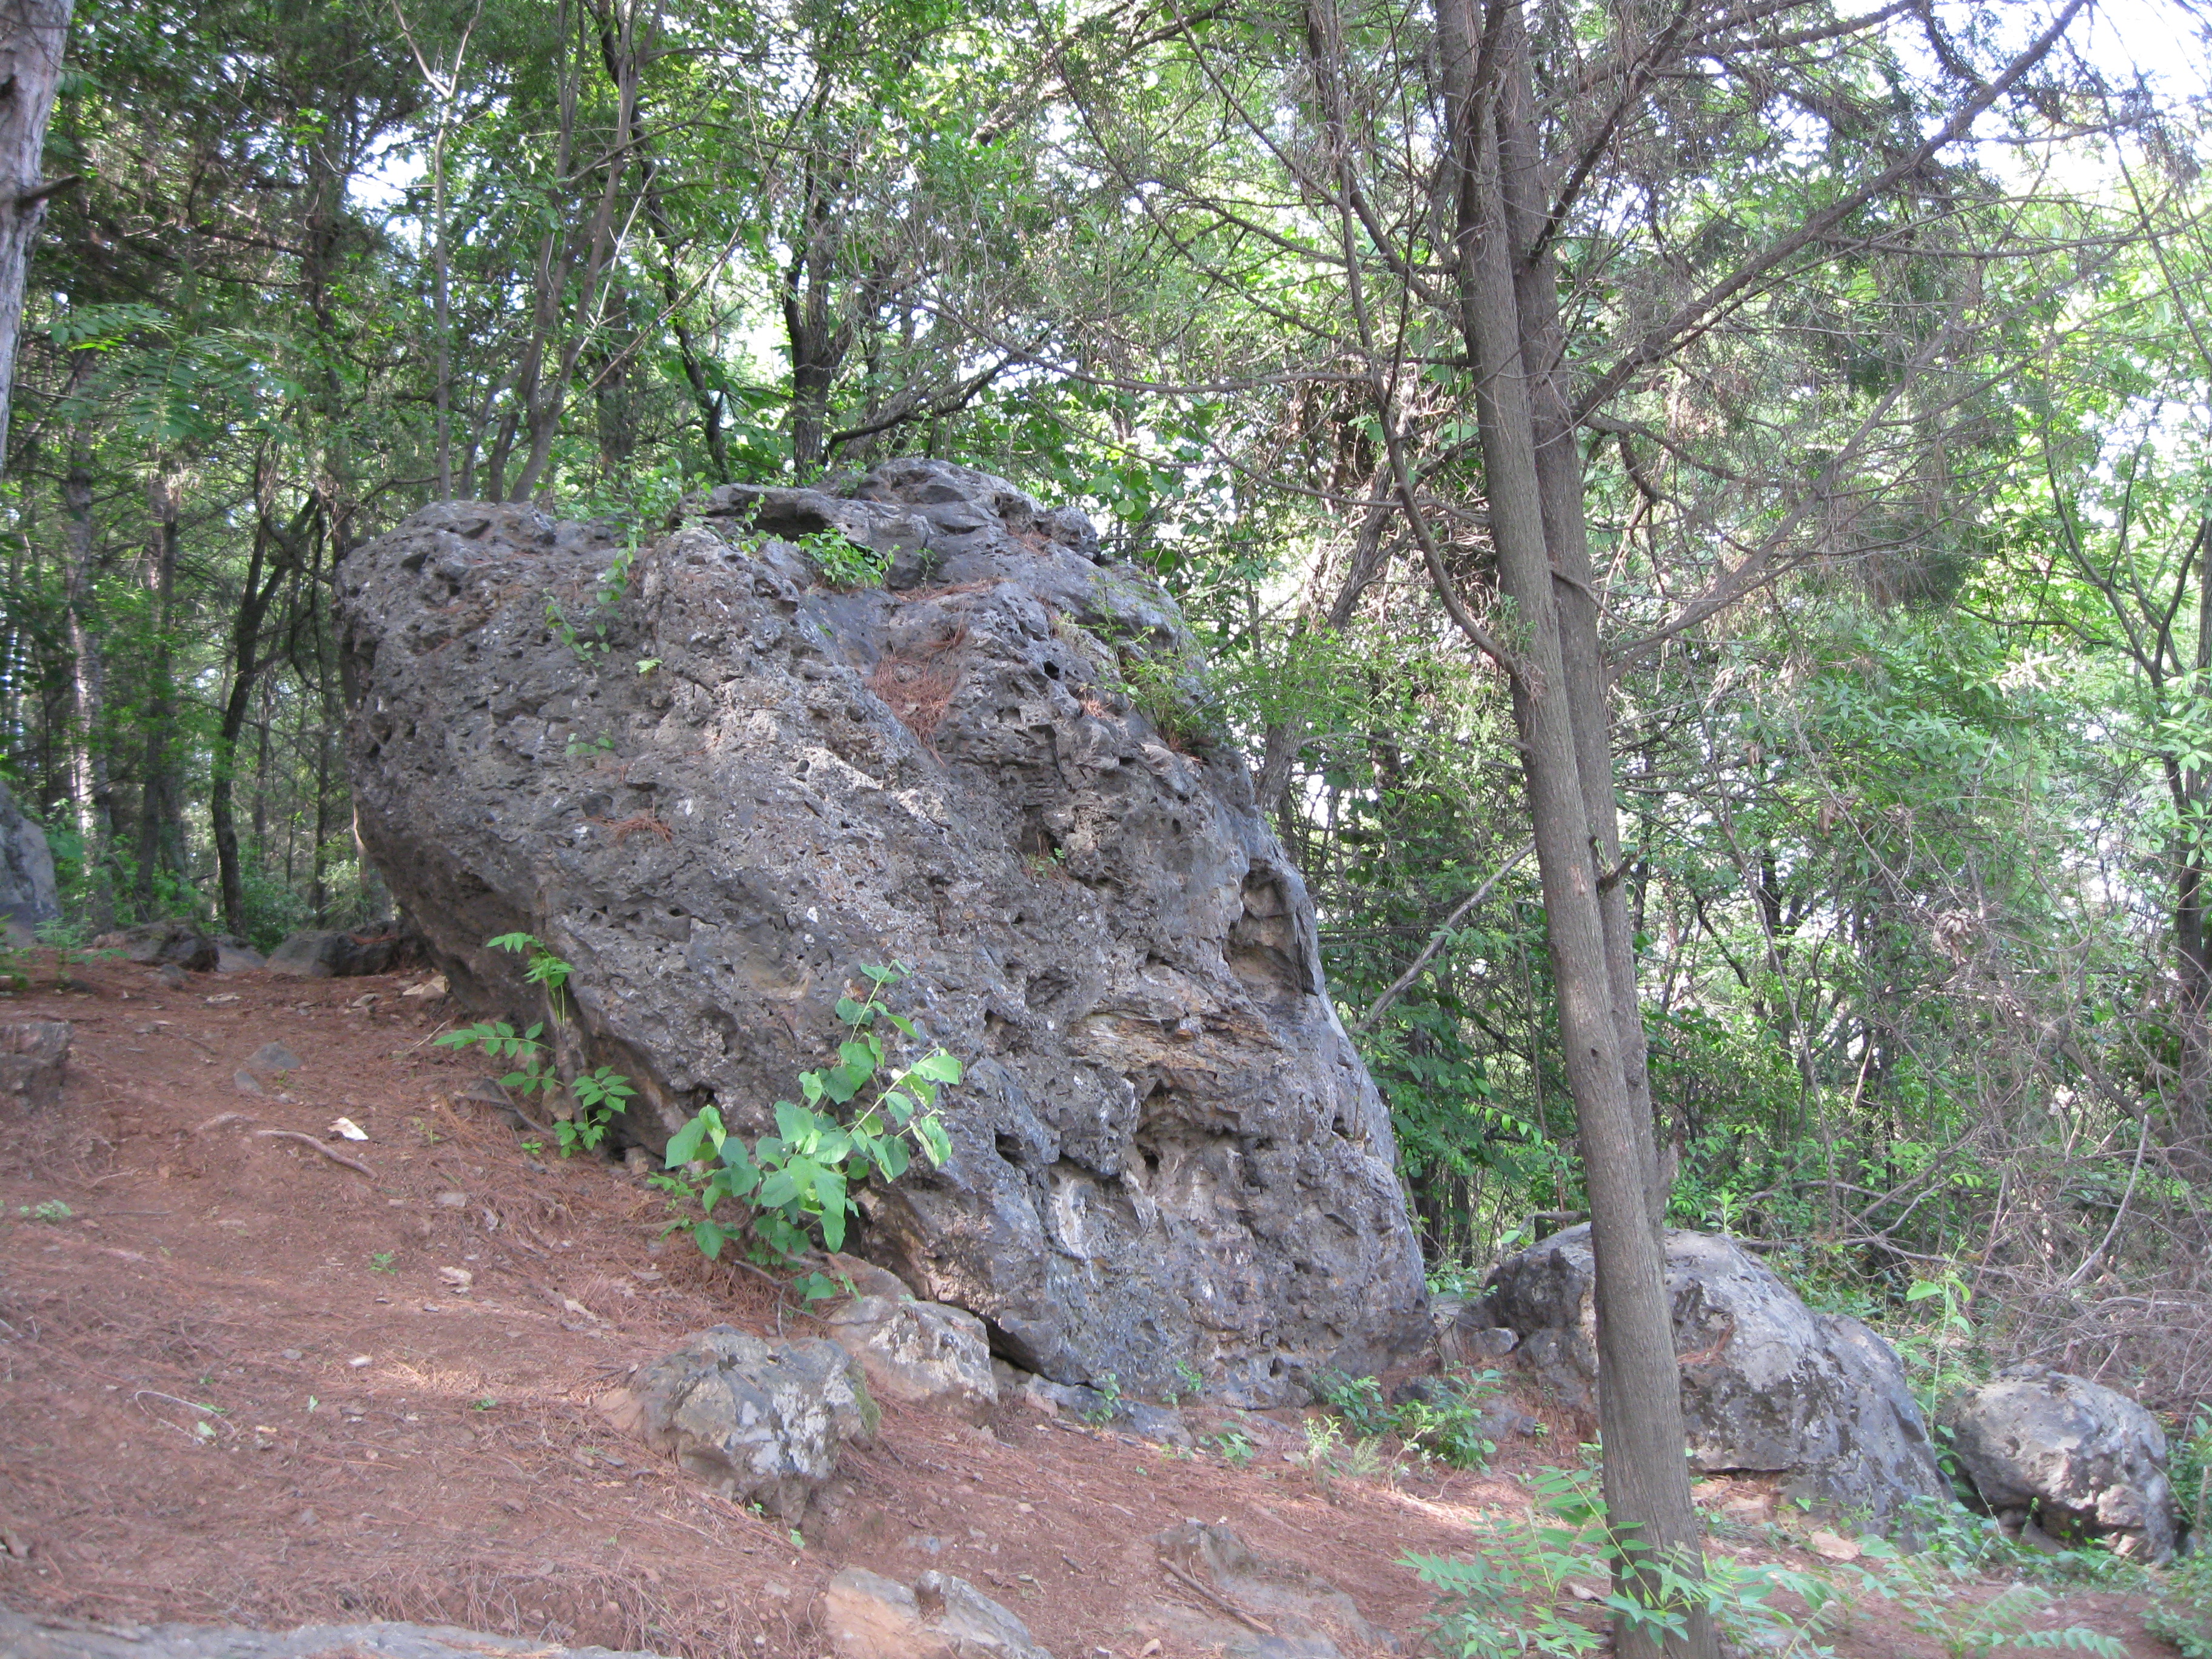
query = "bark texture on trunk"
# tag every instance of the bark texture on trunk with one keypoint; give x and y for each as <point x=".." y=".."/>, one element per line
<point x="1532" y="480"/>
<point x="32" y="34"/>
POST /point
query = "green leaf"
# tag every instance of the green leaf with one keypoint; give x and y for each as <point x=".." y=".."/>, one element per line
<point x="892" y="1158"/>
<point x="797" y="1125"/>
<point x="709" y="1236"/>
<point x="938" y="1066"/>
<point x="934" y="1140"/>
<point x="849" y="1010"/>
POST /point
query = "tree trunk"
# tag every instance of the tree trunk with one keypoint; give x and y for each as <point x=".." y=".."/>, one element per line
<point x="161" y="814"/>
<point x="88" y="783"/>
<point x="32" y="34"/>
<point x="1646" y="1476"/>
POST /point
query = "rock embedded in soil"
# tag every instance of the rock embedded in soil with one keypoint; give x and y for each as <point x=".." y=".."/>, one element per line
<point x="330" y="955"/>
<point x="920" y="1353"/>
<point x="759" y="1423"/>
<point x="722" y="787"/>
<point x="2083" y="1460"/>
<point x="1275" y="1609"/>
<point x="34" y="1061"/>
<point x="164" y="943"/>
<point x="867" y="1616"/>
<point x="22" y="1637"/>
<point x="1768" y="1385"/>
<point x="27" y="895"/>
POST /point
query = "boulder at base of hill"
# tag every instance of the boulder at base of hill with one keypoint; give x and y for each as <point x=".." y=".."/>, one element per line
<point x="2080" y="1459"/>
<point x="867" y="1616"/>
<point x="164" y="943"/>
<point x="921" y="1353"/>
<point x="324" y="955"/>
<point x="27" y="872"/>
<point x="722" y="783"/>
<point x="758" y="1423"/>
<point x="236" y="956"/>
<point x="1768" y="1385"/>
<point x="33" y="1060"/>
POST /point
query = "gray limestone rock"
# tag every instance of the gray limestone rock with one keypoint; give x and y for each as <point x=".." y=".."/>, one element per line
<point x="164" y="943"/>
<point x="1767" y="1384"/>
<point x="2082" y="1460"/>
<point x="921" y="1353"/>
<point x="336" y="955"/>
<point x="33" y="1061"/>
<point x="759" y="1423"/>
<point x="26" y="872"/>
<point x="737" y="785"/>
<point x="22" y="1637"/>
<point x="867" y="1616"/>
<point x="1282" y="1611"/>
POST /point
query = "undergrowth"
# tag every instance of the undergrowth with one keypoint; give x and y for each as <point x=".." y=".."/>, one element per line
<point x="1549" y="1583"/>
<point x="580" y="1121"/>
<point x="797" y="1183"/>
<point x="1445" y="1425"/>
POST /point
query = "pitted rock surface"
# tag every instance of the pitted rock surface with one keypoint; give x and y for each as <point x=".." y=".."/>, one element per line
<point x="2082" y="1460"/>
<point x="1166" y="1148"/>
<point x="28" y="897"/>
<point x="759" y="1423"/>
<point x="1768" y="1385"/>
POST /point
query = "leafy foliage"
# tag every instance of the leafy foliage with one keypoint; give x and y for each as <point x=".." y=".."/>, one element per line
<point x="797" y="1182"/>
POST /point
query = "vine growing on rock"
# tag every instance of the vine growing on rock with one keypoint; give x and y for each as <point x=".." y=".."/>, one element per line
<point x="796" y="1183"/>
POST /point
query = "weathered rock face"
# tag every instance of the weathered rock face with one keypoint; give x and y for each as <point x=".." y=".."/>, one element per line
<point x="34" y="1061"/>
<point x="922" y="1353"/>
<point x="1767" y="1384"/>
<point x="26" y="872"/>
<point x="867" y="1616"/>
<point x="1166" y="1148"/>
<point x="759" y="1423"/>
<point x="2080" y="1459"/>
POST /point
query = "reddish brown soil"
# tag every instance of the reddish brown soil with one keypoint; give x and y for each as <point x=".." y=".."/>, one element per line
<point x="385" y="1446"/>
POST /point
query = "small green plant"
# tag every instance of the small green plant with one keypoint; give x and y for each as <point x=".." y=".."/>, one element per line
<point x="595" y="1096"/>
<point x="52" y="1210"/>
<point x="1445" y="1423"/>
<point x="1190" y="1382"/>
<point x="382" y="1262"/>
<point x="844" y="562"/>
<point x="1965" y="1629"/>
<point x="797" y="1183"/>
<point x="2181" y="1608"/>
<point x="1234" y="1448"/>
<point x="588" y="638"/>
<point x="1108" y="1388"/>
<point x="601" y="744"/>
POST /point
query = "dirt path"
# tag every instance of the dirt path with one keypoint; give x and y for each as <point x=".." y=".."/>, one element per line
<point x="242" y="1383"/>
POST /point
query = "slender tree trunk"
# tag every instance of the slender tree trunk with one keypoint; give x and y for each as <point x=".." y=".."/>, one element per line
<point x="89" y="782"/>
<point x="32" y="34"/>
<point x="161" y="817"/>
<point x="1639" y="1389"/>
<point x="1567" y="533"/>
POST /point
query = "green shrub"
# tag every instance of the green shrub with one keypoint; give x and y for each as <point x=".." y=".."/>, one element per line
<point x="594" y="1097"/>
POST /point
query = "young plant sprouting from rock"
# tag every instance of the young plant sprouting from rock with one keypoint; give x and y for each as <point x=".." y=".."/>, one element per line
<point x="797" y="1183"/>
<point x="594" y="1095"/>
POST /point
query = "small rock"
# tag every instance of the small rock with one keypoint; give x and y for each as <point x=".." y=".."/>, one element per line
<point x="319" y="955"/>
<point x="758" y="1423"/>
<point x="346" y="1129"/>
<point x="358" y="1361"/>
<point x="171" y="976"/>
<point x="1833" y="1546"/>
<point x="226" y="999"/>
<point x="866" y="1616"/>
<point x="247" y="1084"/>
<point x="272" y="1057"/>
<point x="1309" y="1616"/>
<point x="639" y="1161"/>
<point x="459" y="1277"/>
<point x="309" y="1519"/>
<point x="16" y="1545"/>
<point x="432" y="989"/>
<point x="177" y="943"/>
<point x="922" y="1353"/>
<point x="452" y="1200"/>
<point x="293" y="1354"/>
<point x="33" y="1058"/>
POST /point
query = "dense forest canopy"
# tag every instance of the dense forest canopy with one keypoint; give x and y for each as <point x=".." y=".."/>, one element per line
<point x="1881" y="371"/>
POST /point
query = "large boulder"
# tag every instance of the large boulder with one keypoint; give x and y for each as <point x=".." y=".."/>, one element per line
<point x="1768" y="1385"/>
<point x="919" y="1353"/>
<point x="27" y="895"/>
<point x="719" y="786"/>
<point x="759" y="1423"/>
<point x="2080" y="1459"/>
<point x="33" y="1061"/>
